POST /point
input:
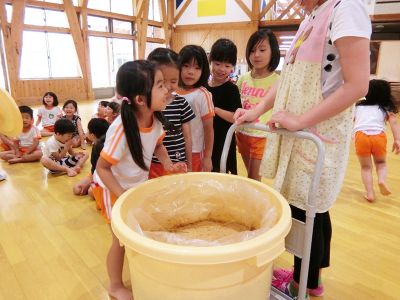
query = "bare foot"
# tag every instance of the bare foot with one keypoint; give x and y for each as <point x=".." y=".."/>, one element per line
<point x="369" y="198"/>
<point x="384" y="189"/>
<point x="121" y="293"/>
<point x="71" y="172"/>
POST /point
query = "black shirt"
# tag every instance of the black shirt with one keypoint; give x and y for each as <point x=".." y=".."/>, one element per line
<point x="226" y="97"/>
<point x="96" y="149"/>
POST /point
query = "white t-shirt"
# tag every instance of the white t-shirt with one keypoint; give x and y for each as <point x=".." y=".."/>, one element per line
<point x="369" y="119"/>
<point x="52" y="146"/>
<point x="116" y="152"/>
<point x="49" y="116"/>
<point x="200" y="101"/>
<point x="26" y="139"/>
<point x="349" y="18"/>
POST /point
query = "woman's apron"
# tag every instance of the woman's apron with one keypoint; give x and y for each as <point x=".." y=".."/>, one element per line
<point x="291" y="161"/>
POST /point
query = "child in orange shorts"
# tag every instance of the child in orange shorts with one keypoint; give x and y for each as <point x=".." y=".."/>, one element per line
<point x="370" y="137"/>
<point x="262" y="55"/>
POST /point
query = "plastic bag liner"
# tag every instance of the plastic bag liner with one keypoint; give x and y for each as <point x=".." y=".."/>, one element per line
<point x="229" y="205"/>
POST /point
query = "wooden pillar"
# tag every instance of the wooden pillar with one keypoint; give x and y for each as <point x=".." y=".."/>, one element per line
<point x="81" y="47"/>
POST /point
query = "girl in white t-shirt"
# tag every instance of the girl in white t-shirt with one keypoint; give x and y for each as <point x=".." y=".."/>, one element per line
<point x="370" y="137"/>
<point x="130" y="142"/>
<point x="48" y="114"/>
<point x="194" y="73"/>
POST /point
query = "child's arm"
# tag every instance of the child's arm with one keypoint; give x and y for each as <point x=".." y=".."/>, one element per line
<point x="39" y="119"/>
<point x="15" y="147"/>
<point x="208" y="144"/>
<point x="70" y="149"/>
<point x="162" y="154"/>
<point x="243" y="115"/>
<point x="188" y="144"/>
<point x="103" y="169"/>
<point x="395" y="127"/>
<point x="63" y="152"/>
<point x="224" y="114"/>
<point x="81" y="134"/>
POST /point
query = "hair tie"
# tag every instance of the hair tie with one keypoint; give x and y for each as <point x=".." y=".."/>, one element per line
<point x="126" y="99"/>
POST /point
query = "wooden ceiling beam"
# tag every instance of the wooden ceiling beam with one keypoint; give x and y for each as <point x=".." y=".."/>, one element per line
<point x="244" y="7"/>
<point x="181" y="11"/>
<point x="164" y="16"/>
<point x="267" y="8"/>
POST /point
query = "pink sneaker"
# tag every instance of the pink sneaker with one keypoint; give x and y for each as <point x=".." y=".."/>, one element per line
<point x="281" y="278"/>
<point x="317" y="292"/>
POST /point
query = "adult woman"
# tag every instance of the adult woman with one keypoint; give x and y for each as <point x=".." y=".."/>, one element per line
<point x="326" y="71"/>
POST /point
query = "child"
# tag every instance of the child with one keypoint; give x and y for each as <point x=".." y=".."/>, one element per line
<point x="70" y="109"/>
<point x="130" y="143"/>
<point x="97" y="128"/>
<point x="55" y="151"/>
<point x="112" y="111"/>
<point x="101" y="110"/>
<point x="49" y="113"/>
<point x="370" y="138"/>
<point x="226" y="99"/>
<point x="177" y="111"/>
<point x="326" y="70"/>
<point x="262" y="55"/>
<point x="26" y="146"/>
<point x="194" y="73"/>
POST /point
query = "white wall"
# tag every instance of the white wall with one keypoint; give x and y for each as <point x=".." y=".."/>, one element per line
<point x="389" y="61"/>
<point x="233" y="14"/>
<point x="381" y="8"/>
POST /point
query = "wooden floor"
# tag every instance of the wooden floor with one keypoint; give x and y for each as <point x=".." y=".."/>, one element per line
<point x="53" y="244"/>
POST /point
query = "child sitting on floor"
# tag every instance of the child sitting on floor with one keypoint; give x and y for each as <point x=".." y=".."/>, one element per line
<point x="24" y="148"/>
<point x="57" y="147"/>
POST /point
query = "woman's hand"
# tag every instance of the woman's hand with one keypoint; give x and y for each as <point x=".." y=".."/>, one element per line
<point x="286" y="120"/>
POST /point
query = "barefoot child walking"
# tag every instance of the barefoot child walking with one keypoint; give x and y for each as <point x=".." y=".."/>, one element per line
<point x="370" y="137"/>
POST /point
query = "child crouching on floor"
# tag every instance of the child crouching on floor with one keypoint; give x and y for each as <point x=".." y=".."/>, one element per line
<point x="57" y="147"/>
<point x="97" y="129"/>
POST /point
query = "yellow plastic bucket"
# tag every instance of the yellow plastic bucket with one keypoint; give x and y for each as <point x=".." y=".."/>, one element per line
<point x="237" y="271"/>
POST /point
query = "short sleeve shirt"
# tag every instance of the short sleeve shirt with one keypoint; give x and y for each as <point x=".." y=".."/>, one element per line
<point x="116" y="152"/>
<point x="177" y="112"/>
<point x="349" y="18"/>
<point x="26" y="139"/>
<point x="200" y="101"/>
<point x="49" y="116"/>
<point x="52" y="146"/>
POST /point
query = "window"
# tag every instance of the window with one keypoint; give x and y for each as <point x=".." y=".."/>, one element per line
<point x="116" y="6"/>
<point x="106" y="56"/>
<point x="43" y="17"/>
<point x="154" y="10"/>
<point x="155" y="32"/>
<point x="151" y="46"/>
<point x="122" y="27"/>
<point x="98" y="24"/>
<point x="2" y="71"/>
<point x="48" y="55"/>
<point x="9" y="11"/>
